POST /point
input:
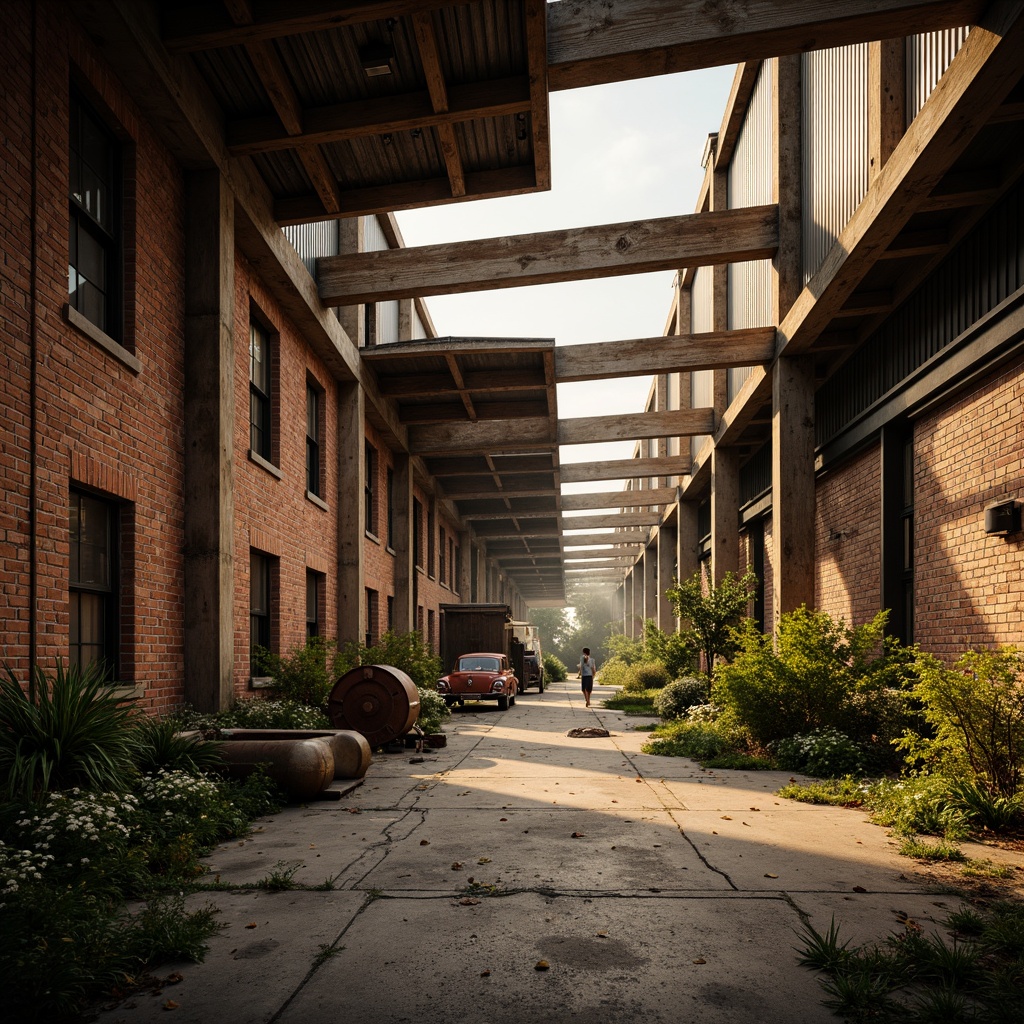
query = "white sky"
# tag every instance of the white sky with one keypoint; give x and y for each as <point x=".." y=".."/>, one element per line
<point x="621" y="152"/>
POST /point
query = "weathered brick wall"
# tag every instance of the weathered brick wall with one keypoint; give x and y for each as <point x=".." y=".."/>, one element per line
<point x="378" y="558"/>
<point x="847" y="539"/>
<point x="969" y="454"/>
<point x="99" y="424"/>
<point x="273" y="514"/>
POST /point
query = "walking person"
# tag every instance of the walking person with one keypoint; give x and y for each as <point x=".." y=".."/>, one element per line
<point x="588" y="667"/>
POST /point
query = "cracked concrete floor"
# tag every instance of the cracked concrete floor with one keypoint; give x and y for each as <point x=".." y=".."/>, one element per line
<point x="653" y="889"/>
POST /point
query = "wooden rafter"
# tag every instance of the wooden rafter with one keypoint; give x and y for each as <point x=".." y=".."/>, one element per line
<point x="589" y="540"/>
<point x="573" y="254"/>
<point x="618" y="520"/>
<point x="640" y="498"/>
<point x="593" y="42"/>
<point x="634" y="426"/>
<point x="624" y="469"/>
<point x="476" y="381"/>
<point x="536" y="17"/>
<point x="683" y="352"/>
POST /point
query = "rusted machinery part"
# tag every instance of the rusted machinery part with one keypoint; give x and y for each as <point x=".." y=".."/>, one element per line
<point x="379" y="701"/>
<point x="352" y="754"/>
<point x="301" y="768"/>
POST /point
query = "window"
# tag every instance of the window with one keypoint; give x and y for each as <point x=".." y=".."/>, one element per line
<point x="442" y="575"/>
<point x="452" y="581"/>
<point x="94" y="196"/>
<point x="372" y="612"/>
<point x="93" y="589"/>
<point x="370" y="489"/>
<point x="417" y="533"/>
<point x="390" y="499"/>
<point x="259" y="605"/>
<point x="431" y="539"/>
<point x="315" y="591"/>
<point x="391" y="612"/>
<point x="457" y="571"/>
<point x="314" y="410"/>
<point x="259" y="392"/>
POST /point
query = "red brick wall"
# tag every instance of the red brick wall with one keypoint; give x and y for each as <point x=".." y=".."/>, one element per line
<point x="847" y="539"/>
<point x="378" y="559"/>
<point x="98" y="423"/>
<point x="273" y="514"/>
<point x="969" y="454"/>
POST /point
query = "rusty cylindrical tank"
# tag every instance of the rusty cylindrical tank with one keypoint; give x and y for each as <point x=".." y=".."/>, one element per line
<point x="301" y="768"/>
<point x="351" y="752"/>
<point x="379" y="701"/>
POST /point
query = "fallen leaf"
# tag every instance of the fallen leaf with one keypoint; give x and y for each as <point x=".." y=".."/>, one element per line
<point x="639" y="780"/>
<point x="601" y="935"/>
<point x="713" y="832"/>
<point x="424" y="842"/>
<point x="484" y="860"/>
<point x="358" y="810"/>
<point x="468" y="901"/>
<point x="859" y="888"/>
<point x="457" y="865"/>
<point x="700" y="960"/>
<point x="768" y="874"/>
<point x="312" y="846"/>
<point x="421" y="787"/>
<point x="485" y="974"/>
<point x="755" y="808"/>
<point x="745" y="823"/>
<point x="170" y="1005"/>
<point x="541" y="965"/>
<point x="725" y="817"/>
<point x="503" y="819"/>
<point x="251" y="924"/>
<point x="578" y="835"/>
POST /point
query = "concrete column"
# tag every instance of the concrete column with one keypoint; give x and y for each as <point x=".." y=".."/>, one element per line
<point x="720" y="293"/>
<point x="688" y="553"/>
<point x="668" y="543"/>
<point x="351" y="511"/>
<point x="725" y="512"/>
<point x="209" y="441"/>
<point x="350" y="240"/>
<point x="792" y="484"/>
<point x="650" y="584"/>
<point x="405" y="571"/>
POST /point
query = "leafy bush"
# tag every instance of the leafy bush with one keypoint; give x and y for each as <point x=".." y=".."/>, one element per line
<point x="650" y="675"/>
<point x="986" y="810"/>
<point x="159" y="744"/>
<point x="405" y="651"/>
<point x="632" y="703"/>
<point x="673" y="650"/>
<point x="627" y="649"/>
<point x="433" y="710"/>
<point x="676" y="699"/>
<point x="917" y="805"/>
<point x="254" y="713"/>
<point x="307" y="675"/>
<point x="555" y="670"/>
<point x="67" y="729"/>
<point x="817" y="673"/>
<point x="976" y="713"/>
<point x="615" y="672"/>
<point x="714" y="744"/>
<point x="825" y="752"/>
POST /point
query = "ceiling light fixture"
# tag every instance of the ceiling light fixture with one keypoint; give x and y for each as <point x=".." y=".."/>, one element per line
<point x="377" y="59"/>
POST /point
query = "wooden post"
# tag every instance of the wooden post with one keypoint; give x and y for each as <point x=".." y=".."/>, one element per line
<point x="650" y="585"/>
<point x="465" y="576"/>
<point x="792" y="484"/>
<point x="719" y="198"/>
<point x="787" y="264"/>
<point x="350" y="239"/>
<point x="351" y="511"/>
<point x="725" y="512"/>
<point x="688" y="554"/>
<point x="887" y="69"/>
<point x="209" y="413"/>
<point x="401" y="499"/>
<point x="668" y="553"/>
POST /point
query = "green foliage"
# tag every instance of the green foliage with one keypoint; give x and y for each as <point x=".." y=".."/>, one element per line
<point x="159" y="744"/>
<point x="926" y="978"/>
<point x="405" y="651"/>
<point x="985" y="810"/>
<point x="845" y="792"/>
<point x="825" y="752"/>
<point x="711" y="612"/>
<point x="976" y="713"/>
<point x="676" y="699"/>
<point x="555" y="670"/>
<point x="626" y="649"/>
<point x="633" y="703"/>
<point x="819" y="673"/>
<point x="941" y="849"/>
<point x="67" y="729"/>
<point x="650" y="675"/>
<point x="713" y="744"/>
<point x="673" y="650"/>
<point x="615" y="672"/>
<point x="305" y="676"/>
<point x="254" y="713"/>
<point x="433" y="710"/>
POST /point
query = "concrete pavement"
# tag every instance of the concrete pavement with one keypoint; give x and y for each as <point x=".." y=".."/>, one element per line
<point x="654" y="890"/>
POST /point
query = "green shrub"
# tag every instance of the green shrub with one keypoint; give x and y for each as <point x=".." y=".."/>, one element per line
<point x="433" y="710"/>
<point x="824" y="752"/>
<point x="676" y="699"/>
<point x="817" y="673"/>
<point x="615" y="672"/>
<point x="918" y="805"/>
<point x="306" y="676"/>
<point x="632" y="703"/>
<point x="555" y="670"/>
<point x="714" y="744"/>
<point x="626" y="649"/>
<point x="650" y="675"/>
<point x="976" y="713"/>
<point x="160" y="745"/>
<point x="71" y="728"/>
<point x="405" y="651"/>
<point x="254" y="713"/>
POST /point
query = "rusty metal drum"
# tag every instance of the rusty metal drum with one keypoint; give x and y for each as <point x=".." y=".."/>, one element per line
<point x="379" y="701"/>
<point x="302" y="768"/>
<point x="349" y="748"/>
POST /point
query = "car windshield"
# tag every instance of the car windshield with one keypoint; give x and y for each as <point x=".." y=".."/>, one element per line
<point x="479" y="665"/>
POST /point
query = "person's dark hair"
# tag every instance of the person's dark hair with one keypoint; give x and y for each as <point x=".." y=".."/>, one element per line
<point x="586" y="650"/>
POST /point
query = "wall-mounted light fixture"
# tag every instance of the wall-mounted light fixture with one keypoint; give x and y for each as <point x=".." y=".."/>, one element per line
<point x="1003" y="518"/>
<point x="377" y="59"/>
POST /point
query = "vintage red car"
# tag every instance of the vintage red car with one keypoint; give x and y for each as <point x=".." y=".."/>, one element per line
<point x="483" y="676"/>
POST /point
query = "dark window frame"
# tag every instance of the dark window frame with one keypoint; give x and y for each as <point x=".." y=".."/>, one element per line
<point x="316" y="589"/>
<point x="314" y="431"/>
<point x="108" y="592"/>
<point x="370" y="470"/>
<point x="261" y="393"/>
<point x="260" y="615"/>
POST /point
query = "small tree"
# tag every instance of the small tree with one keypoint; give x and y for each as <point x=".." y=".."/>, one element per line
<point x="711" y="612"/>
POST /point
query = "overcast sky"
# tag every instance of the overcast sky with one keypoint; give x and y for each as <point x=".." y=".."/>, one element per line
<point x="620" y="152"/>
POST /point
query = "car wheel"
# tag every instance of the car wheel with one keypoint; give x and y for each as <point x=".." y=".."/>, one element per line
<point x="503" y="703"/>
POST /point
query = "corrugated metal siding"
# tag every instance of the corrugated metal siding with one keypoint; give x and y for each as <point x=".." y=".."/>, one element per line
<point x="750" y="184"/>
<point x="834" y="88"/>
<point x="313" y="240"/>
<point x="387" y="322"/>
<point x="672" y="387"/>
<point x="756" y="475"/>
<point x="418" y="330"/>
<point x="928" y="56"/>
<point x="701" y="321"/>
<point x="374" y="239"/>
<point x="980" y="273"/>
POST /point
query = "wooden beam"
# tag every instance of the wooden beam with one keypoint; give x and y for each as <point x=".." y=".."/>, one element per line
<point x="640" y="498"/>
<point x="407" y="195"/>
<point x="535" y="15"/>
<point x="341" y="122"/>
<point x="749" y="346"/>
<point x="574" y="254"/>
<point x="977" y="81"/>
<point x="617" y="520"/>
<point x="476" y="381"/>
<point x="490" y="437"/>
<point x="593" y="42"/>
<point x="448" y="412"/>
<point x="187" y="28"/>
<point x="634" y="426"/>
<point x="589" y="540"/>
<point x="623" y="469"/>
